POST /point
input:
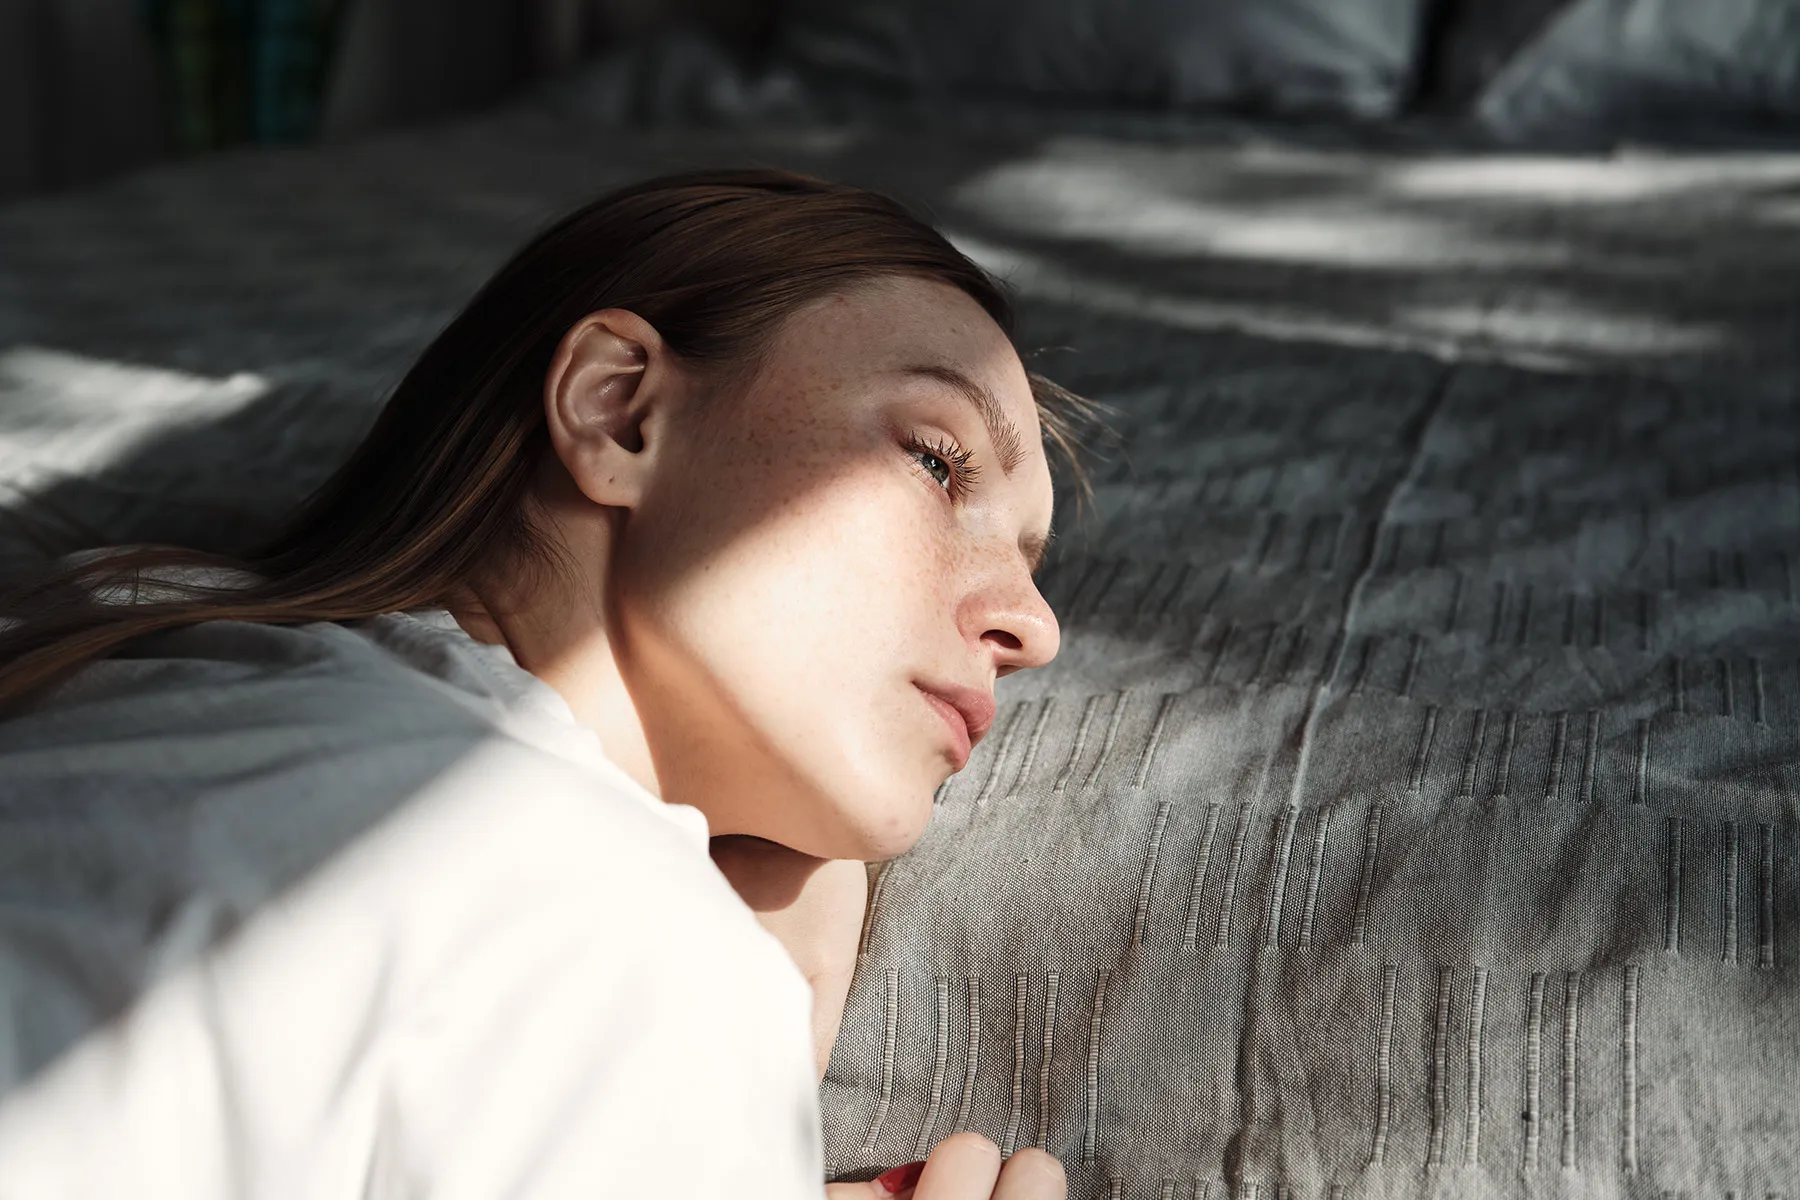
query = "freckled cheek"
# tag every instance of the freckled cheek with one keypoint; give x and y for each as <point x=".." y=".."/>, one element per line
<point x="850" y="567"/>
<point x="873" y="548"/>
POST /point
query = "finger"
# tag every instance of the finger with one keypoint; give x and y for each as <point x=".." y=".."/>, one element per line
<point x="964" y="1166"/>
<point x="894" y="1184"/>
<point x="1032" y="1174"/>
<point x="867" y="1190"/>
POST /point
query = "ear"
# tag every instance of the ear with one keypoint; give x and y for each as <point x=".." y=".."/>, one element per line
<point x="611" y="384"/>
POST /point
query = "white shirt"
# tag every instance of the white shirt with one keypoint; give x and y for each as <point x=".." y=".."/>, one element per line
<point x="334" y="911"/>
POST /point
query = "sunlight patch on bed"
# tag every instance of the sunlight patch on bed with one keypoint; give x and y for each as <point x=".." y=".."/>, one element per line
<point x="1779" y="210"/>
<point x="1553" y="323"/>
<point x="1038" y="278"/>
<point x="1232" y="213"/>
<point x="65" y="414"/>
<point x="1555" y="333"/>
<point x="1585" y="180"/>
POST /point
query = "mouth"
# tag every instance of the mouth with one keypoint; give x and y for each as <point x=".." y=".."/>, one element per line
<point x="968" y="714"/>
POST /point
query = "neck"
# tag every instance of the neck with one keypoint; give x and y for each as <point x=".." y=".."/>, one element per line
<point x="561" y="638"/>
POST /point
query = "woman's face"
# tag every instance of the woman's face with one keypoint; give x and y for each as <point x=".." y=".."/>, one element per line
<point x="823" y="569"/>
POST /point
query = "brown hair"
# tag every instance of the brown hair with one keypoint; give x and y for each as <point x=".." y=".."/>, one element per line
<point x="435" y="492"/>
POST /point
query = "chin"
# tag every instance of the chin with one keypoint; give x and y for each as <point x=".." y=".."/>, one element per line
<point x="881" y="824"/>
<point x="873" y="800"/>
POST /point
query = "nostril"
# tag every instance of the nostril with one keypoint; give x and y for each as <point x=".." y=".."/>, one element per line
<point x="1005" y="639"/>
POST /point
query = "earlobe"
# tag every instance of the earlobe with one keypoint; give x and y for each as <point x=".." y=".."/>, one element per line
<point x="598" y="392"/>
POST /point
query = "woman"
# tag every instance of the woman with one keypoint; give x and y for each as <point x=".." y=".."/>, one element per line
<point x="372" y="862"/>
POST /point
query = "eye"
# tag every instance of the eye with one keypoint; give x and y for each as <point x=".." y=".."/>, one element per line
<point x="934" y="466"/>
<point x="946" y="463"/>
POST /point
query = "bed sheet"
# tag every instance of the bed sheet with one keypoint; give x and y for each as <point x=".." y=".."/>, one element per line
<point x="1411" y="809"/>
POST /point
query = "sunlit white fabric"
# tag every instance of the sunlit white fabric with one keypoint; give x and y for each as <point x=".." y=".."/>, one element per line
<point x="325" y="912"/>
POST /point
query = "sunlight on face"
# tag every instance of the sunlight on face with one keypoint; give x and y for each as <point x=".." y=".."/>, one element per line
<point x="830" y="548"/>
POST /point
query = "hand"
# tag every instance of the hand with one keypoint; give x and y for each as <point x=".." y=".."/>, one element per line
<point x="815" y="907"/>
<point x="967" y="1166"/>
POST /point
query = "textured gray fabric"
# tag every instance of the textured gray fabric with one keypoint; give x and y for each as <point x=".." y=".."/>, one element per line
<point x="1420" y="817"/>
<point x="1661" y="68"/>
<point x="1351" y="56"/>
<point x="1435" y="640"/>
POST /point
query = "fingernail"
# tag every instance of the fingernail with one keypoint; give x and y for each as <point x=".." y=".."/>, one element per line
<point x="901" y="1178"/>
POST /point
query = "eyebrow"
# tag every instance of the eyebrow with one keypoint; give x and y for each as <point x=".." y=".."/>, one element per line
<point x="1004" y="435"/>
<point x="1001" y="431"/>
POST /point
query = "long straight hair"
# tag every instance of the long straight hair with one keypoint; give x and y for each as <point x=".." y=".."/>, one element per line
<point x="435" y="493"/>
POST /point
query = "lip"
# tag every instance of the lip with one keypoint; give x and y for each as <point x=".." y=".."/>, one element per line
<point x="968" y="712"/>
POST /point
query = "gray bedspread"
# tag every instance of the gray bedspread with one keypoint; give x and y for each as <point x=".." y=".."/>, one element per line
<point x="1411" y="810"/>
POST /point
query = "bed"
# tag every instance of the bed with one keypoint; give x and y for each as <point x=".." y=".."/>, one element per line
<point x="1411" y="809"/>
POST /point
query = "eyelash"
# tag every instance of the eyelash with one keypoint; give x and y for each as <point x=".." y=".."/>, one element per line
<point x="963" y="471"/>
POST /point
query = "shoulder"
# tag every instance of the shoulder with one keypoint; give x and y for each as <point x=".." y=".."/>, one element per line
<point x="224" y="666"/>
<point x="436" y="861"/>
<point x="512" y="849"/>
<point x="611" y="1003"/>
<point x="237" y="761"/>
<point x="505" y="837"/>
<point x="389" y="681"/>
<point x="532" y="977"/>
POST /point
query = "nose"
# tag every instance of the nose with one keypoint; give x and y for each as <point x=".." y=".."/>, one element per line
<point x="1018" y="627"/>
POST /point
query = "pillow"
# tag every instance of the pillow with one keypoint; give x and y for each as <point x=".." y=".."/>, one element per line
<point x="1659" y="68"/>
<point x="1289" y="56"/>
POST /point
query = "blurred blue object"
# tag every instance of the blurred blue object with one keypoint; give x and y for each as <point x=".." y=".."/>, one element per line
<point x="292" y="41"/>
<point x="244" y="70"/>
